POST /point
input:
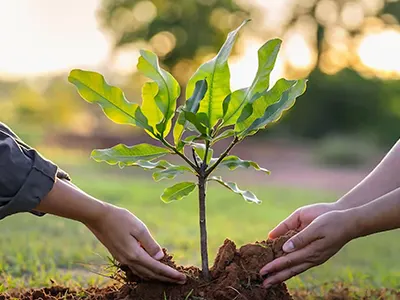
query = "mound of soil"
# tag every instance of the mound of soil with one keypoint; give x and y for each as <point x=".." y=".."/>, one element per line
<point x="235" y="275"/>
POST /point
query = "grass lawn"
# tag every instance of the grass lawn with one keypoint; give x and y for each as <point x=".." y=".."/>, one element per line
<point x="33" y="250"/>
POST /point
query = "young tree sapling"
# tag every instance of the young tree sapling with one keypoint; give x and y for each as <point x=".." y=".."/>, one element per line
<point x="212" y="112"/>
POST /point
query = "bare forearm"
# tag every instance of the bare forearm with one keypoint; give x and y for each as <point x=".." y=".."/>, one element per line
<point x="379" y="215"/>
<point x="66" y="200"/>
<point x="382" y="180"/>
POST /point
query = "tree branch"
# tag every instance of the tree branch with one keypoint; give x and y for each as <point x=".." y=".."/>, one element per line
<point x="223" y="155"/>
<point x="168" y="145"/>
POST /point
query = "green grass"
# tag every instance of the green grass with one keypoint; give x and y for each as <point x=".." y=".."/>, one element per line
<point x="33" y="249"/>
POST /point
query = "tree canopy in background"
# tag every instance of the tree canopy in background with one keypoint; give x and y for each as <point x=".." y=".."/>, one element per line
<point x="177" y="30"/>
<point x="180" y="30"/>
<point x="339" y="100"/>
<point x="343" y="98"/>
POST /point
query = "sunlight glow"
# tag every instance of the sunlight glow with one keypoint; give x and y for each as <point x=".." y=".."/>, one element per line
<point x="243" y="68"/>
<point x="44" y="36"/>
<point x="297" y="52"/>
<point x="380" y="51"/>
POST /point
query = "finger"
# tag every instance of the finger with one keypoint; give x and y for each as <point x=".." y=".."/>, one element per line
<point x="151" y="275"/>
<point x="301" y="239"/>
<point x="137" y="272"/>
<point x="290" y="223"/>
<point x="159" y="268"/>
<point x="284" y="262"/>
<point x="143" y="235"/>
<point x="286" y="274"/>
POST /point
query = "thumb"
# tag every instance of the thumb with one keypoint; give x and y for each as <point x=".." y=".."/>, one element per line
<point x="300" y="240"/>
<point x="290" y="223"/>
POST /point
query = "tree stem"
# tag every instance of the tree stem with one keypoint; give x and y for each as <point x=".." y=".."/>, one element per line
<point x="203" y="228"/>
<point x="223" y="155"/>
<point x="168" y="145"/>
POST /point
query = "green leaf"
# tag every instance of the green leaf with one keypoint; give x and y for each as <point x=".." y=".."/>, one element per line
<point x="127" y="156"/>
<point x="247" y="195"/>
<point x="260" y="102"/>
<point x="168" y="87"/>
<point x="223" y="135"/>
<point x="170" y="172"/>
<point x="275" y="111"/>
<point x="178" y="191"/>
<point x="192" y="118"/>
<point x="149" y="165"/>
<point x="233" y="162"/>
<point x="149" y="106"/>
<point x="186" y="141"/>
<point x="216" y="72"/>
<point x="234" y="103"/>
<point x="94" y="89"/>
<point x="200" y="149"/>
<point x="191" y="105"/>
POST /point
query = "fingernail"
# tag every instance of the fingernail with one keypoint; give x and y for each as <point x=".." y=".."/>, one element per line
<point x="263" y="272"/>
<point x="182" y="282"/>
<point x="159" y="255"/>
<point x="267" y="286"/>
<point x="288" y="246"/>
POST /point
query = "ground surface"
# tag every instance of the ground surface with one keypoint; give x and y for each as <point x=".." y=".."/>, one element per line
<point x="34" y="250"/>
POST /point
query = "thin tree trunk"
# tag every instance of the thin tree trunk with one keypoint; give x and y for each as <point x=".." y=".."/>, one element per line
<point x="203" y="228"/>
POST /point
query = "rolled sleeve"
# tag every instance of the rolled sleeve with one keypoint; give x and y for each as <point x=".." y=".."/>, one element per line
<point x="25" y="176"/>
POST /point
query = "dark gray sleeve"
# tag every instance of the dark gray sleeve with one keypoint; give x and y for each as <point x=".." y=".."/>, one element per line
<point x="25" y="176"/>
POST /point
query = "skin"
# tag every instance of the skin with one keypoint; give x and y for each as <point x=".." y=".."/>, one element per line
<point x="372" y="206"/>
<point x="123" y="234"/>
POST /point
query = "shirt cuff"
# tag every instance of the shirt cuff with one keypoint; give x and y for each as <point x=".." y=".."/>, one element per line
<point x="37" y="185"/>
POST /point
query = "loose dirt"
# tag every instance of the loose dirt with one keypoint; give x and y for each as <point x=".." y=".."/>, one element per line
<point x="235" y="275"/>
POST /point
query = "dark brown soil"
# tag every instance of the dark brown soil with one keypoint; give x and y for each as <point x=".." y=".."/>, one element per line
<point x="235" y="275"/>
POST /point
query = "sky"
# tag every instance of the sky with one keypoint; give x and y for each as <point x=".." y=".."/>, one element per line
<point x="40" y="36"/>
<point x="49" y="36"/>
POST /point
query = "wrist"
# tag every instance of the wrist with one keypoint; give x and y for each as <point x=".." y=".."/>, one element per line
<point x="339" y="205"/>
<point x="355" y="220"/>
<point x="95" y="211"/>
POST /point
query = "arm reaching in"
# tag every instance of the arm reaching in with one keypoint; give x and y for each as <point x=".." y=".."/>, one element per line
<point x="30" y="183"/>
<point x="372" y="206"/>
<point x="382" y="180"/>
<point x="124" y="235"/>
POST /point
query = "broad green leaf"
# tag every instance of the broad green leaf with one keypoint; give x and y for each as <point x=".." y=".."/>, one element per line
<point x="275" y="111"/>
<point x="186" y="141"/>
<point x="192" y="118"/>
<point x="178" y="191"/>
<point x="94" y="89"/>
<point x="191" y="105"/>
<point x="201" y="151"/>
<point x="234" y="103"/>
<point x="223" y="135"/>
<point x="260" y="102"/>
<point x="149" y="106"/>
<point x="233" y="162"/>
<point x="217" y="74"/>
<point x="168" y="87"/>
<point x="170" y="172"/>
<point x="247" y="195"/>
<point x="127" y="156"/>
<point x="149" y="165"/>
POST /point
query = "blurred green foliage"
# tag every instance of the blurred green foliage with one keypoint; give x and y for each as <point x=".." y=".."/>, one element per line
<point x="177" y="29"/>
<point x="346" y="103"/>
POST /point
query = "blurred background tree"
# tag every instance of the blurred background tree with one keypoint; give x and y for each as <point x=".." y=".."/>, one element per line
<point x="344" y="95"/>
<point x="324" y="40"/>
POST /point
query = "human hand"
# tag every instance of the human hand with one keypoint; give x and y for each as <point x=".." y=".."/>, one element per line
<point x="130" y="242"/>
<point x="312" y="246"/>
<point x="301" y="218"/>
